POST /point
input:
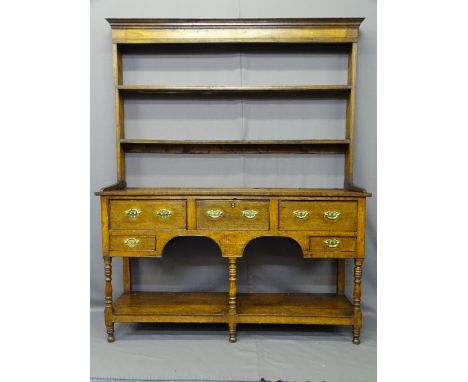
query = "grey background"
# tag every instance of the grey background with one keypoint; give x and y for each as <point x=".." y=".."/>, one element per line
<point x="194" y="264"/>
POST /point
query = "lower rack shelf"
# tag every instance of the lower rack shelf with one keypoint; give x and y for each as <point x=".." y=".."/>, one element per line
<point x="282" y="308"/>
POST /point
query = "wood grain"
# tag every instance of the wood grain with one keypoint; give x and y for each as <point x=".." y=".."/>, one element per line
<point x="305" y="91"/>
<point x="162" y="31"/>
<point x="315" y="220"/>
<point x="316" y="146"/>
<point x="148" y="217"/>
<point x="232" y="217"/>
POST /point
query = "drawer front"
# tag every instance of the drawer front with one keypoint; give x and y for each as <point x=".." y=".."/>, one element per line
<point x="132" y="243"/>
<point x="332" y="244"/>
<point x="233" y="214"/>
<point x="148" y="214"/>
<point x="318" y="216"/>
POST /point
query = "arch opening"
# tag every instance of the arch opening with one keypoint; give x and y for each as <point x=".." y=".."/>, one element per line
<point x="275" y="264"/>
<point x="188" y="264"/>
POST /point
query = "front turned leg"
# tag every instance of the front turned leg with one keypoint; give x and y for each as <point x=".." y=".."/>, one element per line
<point x="232" y="299"/>
<point x="110" y="333"/>
<point x="108" y="299"/>
<point x="357" y="315"/>
<point x="232" y="332"/>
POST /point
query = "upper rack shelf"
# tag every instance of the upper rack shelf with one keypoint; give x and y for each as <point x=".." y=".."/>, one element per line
<point x="316" y="146"/>
<point x="307" y="90"/>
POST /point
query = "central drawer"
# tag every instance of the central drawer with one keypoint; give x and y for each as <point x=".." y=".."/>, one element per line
<point x="233" y="214"/>
<point x="148" y="214"/>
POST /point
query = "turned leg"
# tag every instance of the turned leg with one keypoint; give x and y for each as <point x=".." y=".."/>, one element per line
<point x="232" y="299"/>
<point x="108" y="299"/>
<point x="110" y="332"/>
<point x="232" y="332"/>
<point x="357" y="315"/>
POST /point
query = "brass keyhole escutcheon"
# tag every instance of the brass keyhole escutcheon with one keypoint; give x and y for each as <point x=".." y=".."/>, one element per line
<point x="233" y="204"/>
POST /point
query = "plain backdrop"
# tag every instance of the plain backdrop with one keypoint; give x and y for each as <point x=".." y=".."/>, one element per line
<point x="195" y="264"/>
<point x="424" y="346"/>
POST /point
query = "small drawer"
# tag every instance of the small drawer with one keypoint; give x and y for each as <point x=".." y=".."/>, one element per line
<point x="233" y="214"/>
<point x="332" y="244"/>
<point x="148" y="214"/>
<point x="318" y="216"/>
<point x="132" y="243"/>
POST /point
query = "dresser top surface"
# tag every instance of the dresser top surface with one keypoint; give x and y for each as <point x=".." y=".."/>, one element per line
<point x="267" y="192"/>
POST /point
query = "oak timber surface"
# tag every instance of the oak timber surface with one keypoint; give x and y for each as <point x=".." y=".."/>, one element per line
<point x="294" y="304"/>
<point x="150" y="31"/>
<point x="180" y="191"/>
<point x="315" y="146"/>
<point x="154" y="303"/>
<point x="215" y="303"/>
<point x="328" y="231"/>
<point x="264" y="91"/>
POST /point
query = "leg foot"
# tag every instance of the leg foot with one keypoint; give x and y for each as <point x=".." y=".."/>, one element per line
<point x="110" y="333"/>
<point x="356" y="336"/>
<point x="232" y="333"/>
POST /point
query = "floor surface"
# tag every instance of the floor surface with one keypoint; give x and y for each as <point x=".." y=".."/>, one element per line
<point x="289" y="353"/>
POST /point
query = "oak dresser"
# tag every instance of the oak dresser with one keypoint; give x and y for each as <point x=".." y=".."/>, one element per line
<point x="325" y="223"/>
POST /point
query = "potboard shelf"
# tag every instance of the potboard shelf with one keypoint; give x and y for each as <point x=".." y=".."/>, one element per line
<point x="323" y="308"/>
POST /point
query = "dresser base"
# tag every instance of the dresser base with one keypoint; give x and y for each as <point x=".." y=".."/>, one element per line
<point x="324" y="223"/>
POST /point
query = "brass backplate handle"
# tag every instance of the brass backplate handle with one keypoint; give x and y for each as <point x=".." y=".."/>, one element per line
<point x="132" y="213"/>
<point x="163" y="213"/>
<point x="215" y="213"/>
<point x="332" y="243"/>
<point x="301" y="214"/>
<point x="331" y="215"/>
<point x="249" y="214"/>
<point x="131" y="242"/>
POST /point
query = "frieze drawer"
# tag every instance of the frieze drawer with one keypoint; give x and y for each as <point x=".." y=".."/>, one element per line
<point x="233" y="215"/>
<point x="318" y="216"/>
<point x="332" y="244"/>
<point x="148" y="214"/>
<point x="132" y="243"/>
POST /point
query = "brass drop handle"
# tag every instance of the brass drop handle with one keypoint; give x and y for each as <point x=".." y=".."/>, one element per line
<point x="332" y="243"/>
<point x="301" y="214"/>
<point x="249" y="214"/>
<point x="163" y="213"/>
<point x="132" y="213"/>
<point x="215" y="213"/>
<point x="131" y="242"/>
<point x="331" y="215"/>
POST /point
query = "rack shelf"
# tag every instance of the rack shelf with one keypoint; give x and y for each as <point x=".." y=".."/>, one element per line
<point x="329" y="146"/>
<point x="248" y="91"/>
